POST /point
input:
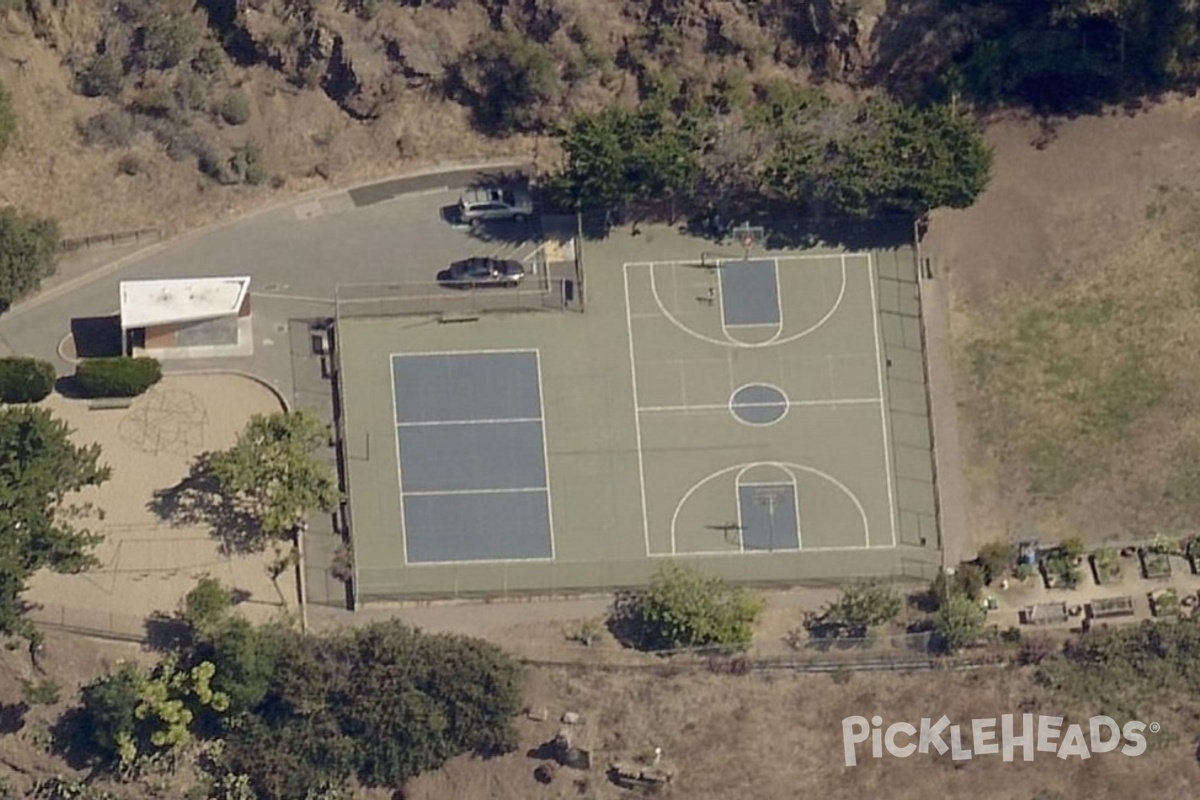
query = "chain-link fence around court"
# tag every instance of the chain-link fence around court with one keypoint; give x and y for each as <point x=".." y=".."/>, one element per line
<point x="541" y="293"/>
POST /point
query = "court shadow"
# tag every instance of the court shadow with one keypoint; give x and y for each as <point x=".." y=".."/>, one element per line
<point x="97" y="337"/>
<point x="197" y="500"/>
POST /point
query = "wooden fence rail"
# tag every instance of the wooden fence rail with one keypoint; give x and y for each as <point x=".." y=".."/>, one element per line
<point x="112" y="239"/>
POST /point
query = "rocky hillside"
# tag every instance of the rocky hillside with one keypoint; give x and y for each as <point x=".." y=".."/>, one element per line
<point x="164" y="113"/>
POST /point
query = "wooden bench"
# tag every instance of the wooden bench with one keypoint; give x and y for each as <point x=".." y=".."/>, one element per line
<point x="109" y="403"/>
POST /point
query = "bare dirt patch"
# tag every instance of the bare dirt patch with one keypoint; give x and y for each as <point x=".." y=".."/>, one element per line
<point x="147" y="565"/>
<point x="1074" y="299"/>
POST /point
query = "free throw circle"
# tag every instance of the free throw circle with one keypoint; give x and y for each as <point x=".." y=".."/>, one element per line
<point x="758" y="404"/>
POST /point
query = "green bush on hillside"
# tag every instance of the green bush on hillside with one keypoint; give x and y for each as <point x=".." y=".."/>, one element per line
<point x="28" y="247"/>
<point x="116" y="377"/>
<point x="25" y="380"/>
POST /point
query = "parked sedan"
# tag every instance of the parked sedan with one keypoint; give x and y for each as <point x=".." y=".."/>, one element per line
<point x="482" y="272"/>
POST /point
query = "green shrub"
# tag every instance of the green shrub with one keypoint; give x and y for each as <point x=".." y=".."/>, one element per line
<point x="1073" y="547"/>
<point x="28" y="247"/>
<point x="508" y="80"/>
<point x="41" y="692"/>
<point x="209" y="59"/>
<point x="684" y="609"/>
<point x="997" y="560"/>
<point x="168" y="39"/>
<point x="103" y="76"/>
<point x="116" y="377"/>
<point x="247" y="164"/>
<point x="235" y="109"/>
<point x="206" y="604"/>
<point x="25" y="380"/>
<point x="8" y="120"/>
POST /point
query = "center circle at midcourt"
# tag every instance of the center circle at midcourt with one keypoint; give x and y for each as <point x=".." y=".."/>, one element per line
<point x="758" y="404"/>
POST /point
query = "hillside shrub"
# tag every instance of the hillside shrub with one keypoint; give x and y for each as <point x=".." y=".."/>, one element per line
<point x="508" y="80"/>
<point x="235" y="109"/>
<point x="28" y="248"/>
<point x="168" y="39"/>
<point x="116" y="377"/>
<point x="25" y="380"/>
<point x="102" y="77"/>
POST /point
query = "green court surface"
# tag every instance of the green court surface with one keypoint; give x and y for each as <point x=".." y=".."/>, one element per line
<point x="763" y="418"/>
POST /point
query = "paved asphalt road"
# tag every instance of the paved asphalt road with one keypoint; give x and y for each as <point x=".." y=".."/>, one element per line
<point x="391" y="231"/>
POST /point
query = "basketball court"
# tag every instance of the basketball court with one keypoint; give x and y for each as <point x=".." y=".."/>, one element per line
<point x="760" y="404"/>
<point x="730" y="411"/>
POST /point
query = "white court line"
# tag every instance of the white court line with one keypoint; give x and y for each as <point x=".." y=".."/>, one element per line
<point x="786" y="466"/>
<point x="696" y="265"/>
<point x="732" y="325"/>
<point x="778" y="294"/>
<point x="784" y="402"/>
<point x="763" y="553"/>
<point x="545" y="455"/>
<point x="464" y="492"/>
<point x="541" y="560"/>
<point x="854" y="401"/>
<point x="887" y="450"/>
<point x="729" y="341"/>
<point x="637" y="418"/>
<point x="399" y="475"/>
<point x="439" y="422"/>
<point x="425" y="353"/>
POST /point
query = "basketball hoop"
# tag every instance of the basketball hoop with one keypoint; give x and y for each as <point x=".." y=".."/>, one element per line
<point x="748" y="236"/>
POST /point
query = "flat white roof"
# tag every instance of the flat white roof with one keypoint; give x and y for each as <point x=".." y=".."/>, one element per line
<point x="164" y="302"/>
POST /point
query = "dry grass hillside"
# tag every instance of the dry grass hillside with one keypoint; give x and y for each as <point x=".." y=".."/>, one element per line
<point x="1076" y="287"/>
<point x="164" y="113"/>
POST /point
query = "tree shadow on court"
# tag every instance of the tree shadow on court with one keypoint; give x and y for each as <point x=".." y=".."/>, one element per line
<point x="197" y="500"/>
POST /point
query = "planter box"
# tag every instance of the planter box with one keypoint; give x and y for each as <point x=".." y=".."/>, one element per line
<point x="1155" y="566"/>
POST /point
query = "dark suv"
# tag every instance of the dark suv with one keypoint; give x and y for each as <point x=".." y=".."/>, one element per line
<point x="482" y="272"/>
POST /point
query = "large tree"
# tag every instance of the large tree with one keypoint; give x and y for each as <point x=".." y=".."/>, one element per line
<point x="273" y="472"/>
<point x="618" y="155"/>
<point x="39" y="468"/>
<point x="28" y="245"/>
<point x="382" y="704"/>
<point x="888" y="158"/>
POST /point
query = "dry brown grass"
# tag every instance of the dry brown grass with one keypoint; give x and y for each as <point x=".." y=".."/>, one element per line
<point x="1075" y="294"/>
<point x="779" y="737"/>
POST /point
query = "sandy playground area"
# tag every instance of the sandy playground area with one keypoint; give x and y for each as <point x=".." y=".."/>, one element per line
<point x="147" y="565"/>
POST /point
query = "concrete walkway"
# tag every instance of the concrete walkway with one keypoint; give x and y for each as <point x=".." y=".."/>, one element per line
<point x="957" y="543"/>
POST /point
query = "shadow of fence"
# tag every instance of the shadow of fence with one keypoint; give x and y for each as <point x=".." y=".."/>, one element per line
<point x="111" y="239"/>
